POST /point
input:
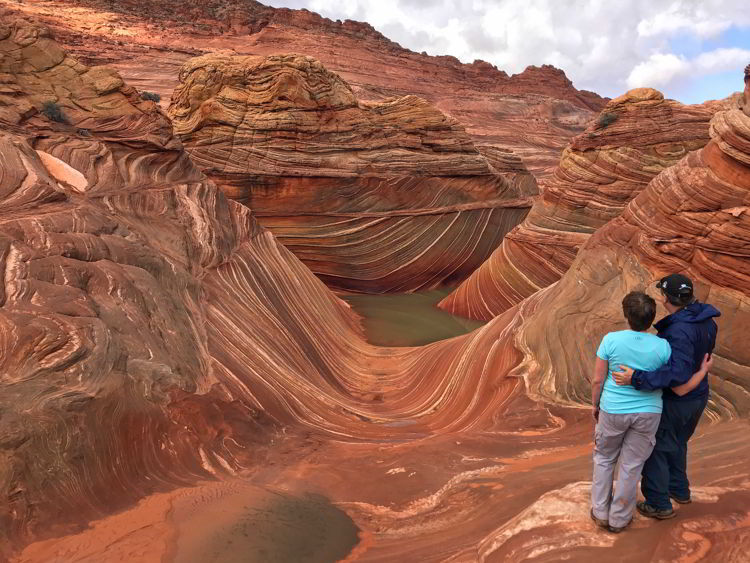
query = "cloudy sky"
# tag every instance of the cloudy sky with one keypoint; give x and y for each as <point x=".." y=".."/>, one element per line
<point x="692" y="50"/>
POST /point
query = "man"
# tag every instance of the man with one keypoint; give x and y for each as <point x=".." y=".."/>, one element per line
<point x="691" y="332"/>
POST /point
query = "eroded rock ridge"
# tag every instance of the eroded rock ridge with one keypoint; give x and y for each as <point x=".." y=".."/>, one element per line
<point x="388" y="196"/>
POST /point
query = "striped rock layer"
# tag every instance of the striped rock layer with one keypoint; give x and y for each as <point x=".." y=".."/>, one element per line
<point x="154" y="336"/>
<point x="373" y="197"/>
<point x="692" y="218"/>
<point x="636" y="136"/>
<point x="535" y="112"/>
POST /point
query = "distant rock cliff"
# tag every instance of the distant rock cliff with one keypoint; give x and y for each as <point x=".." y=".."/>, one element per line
<point x="535" y="113"/>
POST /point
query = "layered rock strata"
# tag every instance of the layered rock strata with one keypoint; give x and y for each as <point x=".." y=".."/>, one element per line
<point x="636" y="136"/>
<point x="153" y="336"/>
<point x="535" y="113"/>
<point x="693" y="218"/>
<point x="374" y="197"/>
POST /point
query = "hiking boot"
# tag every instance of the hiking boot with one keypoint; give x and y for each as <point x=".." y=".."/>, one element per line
<point x="651" y="512"/>
<point x="616" y="530"/>
<point x="599" y="522"/>
<point x="679" y="500"/>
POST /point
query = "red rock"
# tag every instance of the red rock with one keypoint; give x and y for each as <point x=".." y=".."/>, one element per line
<point x="599" y="173"/>
<point x="153" y="336"/>
<point x="534" y="113"/>
<point x="378" y="197"/>
<point x="692" y="218"/>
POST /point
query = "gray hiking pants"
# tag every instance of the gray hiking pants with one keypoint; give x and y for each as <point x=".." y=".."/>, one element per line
<point x="629" y="437"/>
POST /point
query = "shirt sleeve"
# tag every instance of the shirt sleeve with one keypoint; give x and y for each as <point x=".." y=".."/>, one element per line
<point x="678" y="370"/>
<point x="603" y="351"/>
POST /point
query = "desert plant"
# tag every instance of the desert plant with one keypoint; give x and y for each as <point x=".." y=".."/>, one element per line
<point x="53" y="112"/>
<point x="84" y="132"/>
<point x="153" y="96"/>
<point x="606" y="119"/>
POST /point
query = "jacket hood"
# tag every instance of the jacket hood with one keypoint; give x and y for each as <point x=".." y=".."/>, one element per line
<point x="694" y="313"/>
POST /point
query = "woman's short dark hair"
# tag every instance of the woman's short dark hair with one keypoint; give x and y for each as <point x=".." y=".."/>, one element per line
<point x="639" y="309"/>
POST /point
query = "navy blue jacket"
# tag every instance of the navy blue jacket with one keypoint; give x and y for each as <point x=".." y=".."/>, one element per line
<point x="691" y="332"/>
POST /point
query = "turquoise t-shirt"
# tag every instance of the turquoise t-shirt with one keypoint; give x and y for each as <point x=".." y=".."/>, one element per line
<point x="638" y="350"/>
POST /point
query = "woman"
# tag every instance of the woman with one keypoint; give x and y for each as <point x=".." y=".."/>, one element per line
<point x="627" y="419"/>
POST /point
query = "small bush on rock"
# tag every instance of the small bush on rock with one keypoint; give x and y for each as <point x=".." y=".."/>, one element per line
<point x="606" y="119"/>
<point x="153" y="96"/>
<point x="53" y="112"/>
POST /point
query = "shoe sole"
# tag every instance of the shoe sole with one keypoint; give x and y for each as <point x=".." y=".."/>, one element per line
<point x="657" y="516"/>
<point x="614" y="530"/>
<point x="681" y="501"/>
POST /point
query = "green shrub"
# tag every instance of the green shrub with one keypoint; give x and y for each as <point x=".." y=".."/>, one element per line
<point x="53" y="112"/>
<point x="84" y="132"/>
<point x="606" y="119"/>
<point x="153" y="96"/>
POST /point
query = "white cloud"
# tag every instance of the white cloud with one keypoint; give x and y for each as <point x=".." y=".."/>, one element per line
<point x="720" y="60"/>
<point x="662" y="70"/>
<point x="604" y="46"/>
<point x="658" y="70"/>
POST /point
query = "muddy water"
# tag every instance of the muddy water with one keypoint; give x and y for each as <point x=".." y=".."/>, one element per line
<point x="257" y="525"/>
<point x="408" y="319"/>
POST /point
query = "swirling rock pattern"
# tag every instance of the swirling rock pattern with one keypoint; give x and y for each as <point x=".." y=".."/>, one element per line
<point x="375" y="197"/>
<point x="693" y="217"/>
<point x="637" y="135"/>
<point x="153" y="336"/>
<point x="104" y="368"/>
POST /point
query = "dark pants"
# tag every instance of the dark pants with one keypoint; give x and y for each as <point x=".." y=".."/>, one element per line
<point x="665" y="470"/>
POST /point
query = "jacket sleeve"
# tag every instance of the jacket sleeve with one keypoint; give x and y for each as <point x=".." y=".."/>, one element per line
<point x="678" y="370"/>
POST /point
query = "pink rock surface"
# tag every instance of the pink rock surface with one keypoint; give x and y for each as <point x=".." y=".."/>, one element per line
<point x="375" y="197"/>
<point x="153" y="337"/>
<point x="637" y="135"/>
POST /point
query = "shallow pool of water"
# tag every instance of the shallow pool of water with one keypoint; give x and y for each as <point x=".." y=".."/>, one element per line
<point x="255" y="525"/>
<point x="408" y="319"/>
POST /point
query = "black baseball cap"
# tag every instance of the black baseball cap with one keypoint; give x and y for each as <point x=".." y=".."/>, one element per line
<point x="676" y="285"/>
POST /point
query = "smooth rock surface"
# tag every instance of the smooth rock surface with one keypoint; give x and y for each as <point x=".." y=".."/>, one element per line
<point x="375" y="197"/>
<point x="599" y="173"/>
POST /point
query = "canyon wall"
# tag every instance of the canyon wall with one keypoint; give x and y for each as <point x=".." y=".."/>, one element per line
<point x="636" y="136"/>
<point x="377" y="197"/>
<point x="694" y="218"/>
<point x="153" y="334"/>
<point x="535" y="113"/>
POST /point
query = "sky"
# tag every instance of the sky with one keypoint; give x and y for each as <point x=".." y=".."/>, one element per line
<point x="691" y="50"/>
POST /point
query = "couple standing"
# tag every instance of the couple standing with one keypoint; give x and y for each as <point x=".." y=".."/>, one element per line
<point x="645" y="427"/>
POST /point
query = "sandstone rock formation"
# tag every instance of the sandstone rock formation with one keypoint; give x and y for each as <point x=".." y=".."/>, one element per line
<point x="371" y="196"/>
<point x="153" y="336"/>
<point x="637" y="135"/>
<point x="694" y="218"/>
<point x="535" y="113"/>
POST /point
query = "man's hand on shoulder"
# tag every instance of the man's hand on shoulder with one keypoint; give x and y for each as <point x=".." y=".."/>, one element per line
<point x="624" y="376"/>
